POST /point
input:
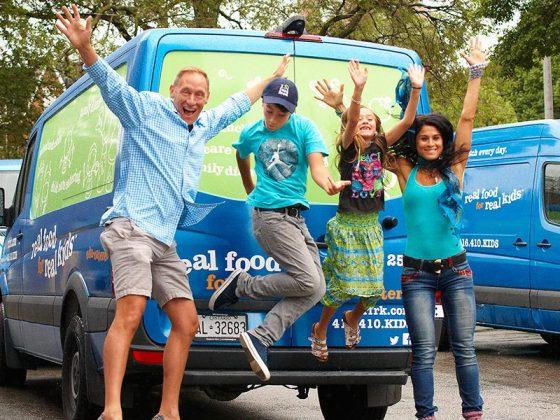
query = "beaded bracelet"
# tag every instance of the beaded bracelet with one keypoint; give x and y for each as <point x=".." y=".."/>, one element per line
<point x="356" y="101"/>
<point x="476" y="71"/>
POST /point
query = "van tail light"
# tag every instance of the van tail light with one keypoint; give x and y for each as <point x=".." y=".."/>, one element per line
<point x="438" y="297"/>
<point x="146" y="357"/>
<point x="295" y="37"/>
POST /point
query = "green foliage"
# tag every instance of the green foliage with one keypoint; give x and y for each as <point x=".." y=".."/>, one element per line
<point x="36" y="63"/>
<point x="493" y="106"/>
<point x="524" y="90"/>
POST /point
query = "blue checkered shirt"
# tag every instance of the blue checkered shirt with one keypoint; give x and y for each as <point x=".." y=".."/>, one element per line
<point x="160" y="160"/>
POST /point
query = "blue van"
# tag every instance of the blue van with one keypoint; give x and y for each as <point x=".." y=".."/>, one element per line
<point x="512" y="226"/>
<point x="55" y="278"/>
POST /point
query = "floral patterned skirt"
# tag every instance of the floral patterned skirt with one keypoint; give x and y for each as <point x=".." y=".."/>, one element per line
<point x="354" y="263"/>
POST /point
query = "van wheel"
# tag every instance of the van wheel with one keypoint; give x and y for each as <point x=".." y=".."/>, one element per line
<point x="75" y="405"/>
<point x="347" y="401"/>
<point x="8" y="375"/>
<point x="553" y="340"/>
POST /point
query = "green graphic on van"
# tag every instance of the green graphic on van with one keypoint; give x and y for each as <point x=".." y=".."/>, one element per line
<point x="76" y="157"/>
<point x="229" y="73"/>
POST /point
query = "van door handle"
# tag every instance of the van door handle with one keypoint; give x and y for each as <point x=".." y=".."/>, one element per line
<point x="544" y="244"/>
<point x="519" y="242"/>
<point x="19" y="236"/>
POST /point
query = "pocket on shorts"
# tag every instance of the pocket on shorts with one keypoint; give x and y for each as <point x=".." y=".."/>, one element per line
<point x="120" y="228"/>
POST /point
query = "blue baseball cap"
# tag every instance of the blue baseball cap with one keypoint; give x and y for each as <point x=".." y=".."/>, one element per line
<point x="281" y="91"/>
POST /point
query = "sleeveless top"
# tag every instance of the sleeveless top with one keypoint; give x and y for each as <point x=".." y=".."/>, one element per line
<point x="365" y="194"/>
<point x="430" y="234"/>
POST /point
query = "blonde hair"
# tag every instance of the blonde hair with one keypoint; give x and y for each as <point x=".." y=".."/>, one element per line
<point x="194" y="70"/>
<point x="358" y="142"/>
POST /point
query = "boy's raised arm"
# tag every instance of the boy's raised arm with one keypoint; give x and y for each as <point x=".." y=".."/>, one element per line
<point x="255" y="92"/>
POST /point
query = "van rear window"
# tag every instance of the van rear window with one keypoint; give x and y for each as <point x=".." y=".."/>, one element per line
<point x="233" y="72"/>
<point x="77" y="151"/>
<point x="552" y="192"/>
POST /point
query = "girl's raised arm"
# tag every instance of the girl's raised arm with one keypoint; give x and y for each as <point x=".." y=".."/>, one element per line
<point x="416" y="76"/>
<point x="359" y="77"/>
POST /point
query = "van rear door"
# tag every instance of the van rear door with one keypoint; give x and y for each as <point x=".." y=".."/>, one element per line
<point x="545" y="242"/>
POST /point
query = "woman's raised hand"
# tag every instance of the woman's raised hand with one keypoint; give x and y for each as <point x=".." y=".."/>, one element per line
<point x="476" y="55"/>
<point x="416" y="75"/>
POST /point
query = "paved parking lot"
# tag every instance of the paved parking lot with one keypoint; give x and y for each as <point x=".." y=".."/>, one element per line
<point x="519" y="373"/>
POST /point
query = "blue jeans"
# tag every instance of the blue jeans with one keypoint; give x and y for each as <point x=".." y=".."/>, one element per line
<point x="457" y="296"/>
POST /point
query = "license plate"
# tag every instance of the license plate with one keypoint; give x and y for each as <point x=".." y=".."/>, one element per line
<point x="220" y="327"/>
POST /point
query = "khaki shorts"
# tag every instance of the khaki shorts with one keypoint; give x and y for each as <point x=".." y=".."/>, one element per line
<point x="143" y="265"/>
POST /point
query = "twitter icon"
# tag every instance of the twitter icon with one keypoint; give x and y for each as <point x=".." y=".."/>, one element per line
<point x="394" y="340"/>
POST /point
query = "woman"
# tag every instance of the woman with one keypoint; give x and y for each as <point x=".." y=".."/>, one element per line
<point x="430" y="168"/>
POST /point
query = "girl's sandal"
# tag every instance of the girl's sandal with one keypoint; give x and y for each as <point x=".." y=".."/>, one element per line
<point x="318" y="347"/>
<point x="351" y="335"/>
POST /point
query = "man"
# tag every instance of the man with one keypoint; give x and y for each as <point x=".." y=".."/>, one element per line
<point x="285" y="145"/>
<point x="160" y="164"/>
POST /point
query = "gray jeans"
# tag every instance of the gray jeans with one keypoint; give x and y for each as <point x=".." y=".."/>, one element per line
<point x="301" y="284"/>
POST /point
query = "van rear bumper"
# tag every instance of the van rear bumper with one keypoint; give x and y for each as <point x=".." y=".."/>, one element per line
<point x="309" y="378"/>
<point x="288" y="366"/>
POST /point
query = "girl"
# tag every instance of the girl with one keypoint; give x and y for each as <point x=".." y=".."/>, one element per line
<point x="354" y="263"/>
<point x="430" y="171"/>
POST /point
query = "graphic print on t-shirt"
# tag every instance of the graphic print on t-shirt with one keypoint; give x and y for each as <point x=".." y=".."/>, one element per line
<point x="279" y="158"/>
<point x="367" y="176"/>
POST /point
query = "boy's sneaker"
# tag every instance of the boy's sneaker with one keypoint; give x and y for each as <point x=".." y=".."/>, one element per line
<point x="257" y="355"/>
<point x="225" y="295"/>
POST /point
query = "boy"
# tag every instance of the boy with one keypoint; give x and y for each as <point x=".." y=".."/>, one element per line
<point x="284" y="145"/>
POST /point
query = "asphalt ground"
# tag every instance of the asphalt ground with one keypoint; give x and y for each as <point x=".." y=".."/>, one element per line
<point x="520" y="374"/>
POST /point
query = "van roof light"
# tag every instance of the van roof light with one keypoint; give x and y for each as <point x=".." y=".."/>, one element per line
<point x="294" y="25"/>
<point x="293" y="28"/>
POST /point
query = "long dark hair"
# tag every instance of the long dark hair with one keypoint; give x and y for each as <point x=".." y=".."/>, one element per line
<point x="450" y="201"/>
<point x="406" y="146"/>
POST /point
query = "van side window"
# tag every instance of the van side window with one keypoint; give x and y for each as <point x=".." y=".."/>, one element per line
<point x="77" y="152"/>
<point x="19" y="197"/>
<point x="552" y="192"/>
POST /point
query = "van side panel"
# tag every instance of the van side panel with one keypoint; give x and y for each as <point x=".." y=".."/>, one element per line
<point x="69" y="188"/>
<point x="498" y="190"/>
<point x="545" y="244"/>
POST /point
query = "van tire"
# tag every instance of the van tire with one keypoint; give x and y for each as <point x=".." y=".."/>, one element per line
<point x="8" y="376"/>
<point x="75" y="404"/>
<point x="553" y="340"/>
<point x="347" y="401"/>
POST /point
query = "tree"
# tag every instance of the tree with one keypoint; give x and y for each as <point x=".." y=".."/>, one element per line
<point x="535" y="36"/>
<point x="39" y="64"/>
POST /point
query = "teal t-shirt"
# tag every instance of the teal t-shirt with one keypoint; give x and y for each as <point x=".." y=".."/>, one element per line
<point x="429" y="233"/>
<point x="280" y="160"/>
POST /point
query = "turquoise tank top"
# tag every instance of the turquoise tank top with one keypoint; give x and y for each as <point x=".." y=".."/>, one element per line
<point x="429" y="233"/>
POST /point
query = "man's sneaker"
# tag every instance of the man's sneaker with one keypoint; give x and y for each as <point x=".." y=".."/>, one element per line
<point x="257" y="355"/>
<point x="225" y="295"/>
